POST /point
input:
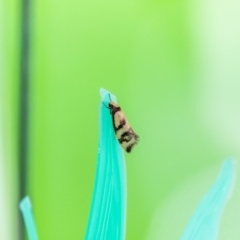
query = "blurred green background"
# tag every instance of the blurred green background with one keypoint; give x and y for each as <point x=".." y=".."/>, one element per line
<point x="174" y="67"/>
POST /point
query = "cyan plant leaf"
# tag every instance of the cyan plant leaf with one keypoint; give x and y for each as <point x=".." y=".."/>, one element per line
<point x="108" y="211"/>
<point x="204" y="224"/>
<point x="26" y="209"/>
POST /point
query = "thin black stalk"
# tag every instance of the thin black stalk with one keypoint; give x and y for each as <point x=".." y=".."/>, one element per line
<point x="23" y="103"/>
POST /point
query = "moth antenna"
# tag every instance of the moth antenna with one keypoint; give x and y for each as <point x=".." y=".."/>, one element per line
<point x="110" y="100"/>
<point x="105" y="105"/>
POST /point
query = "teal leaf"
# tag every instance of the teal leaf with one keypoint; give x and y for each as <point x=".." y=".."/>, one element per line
<point x="205" y="221"/>
<point x="26" y="209"/>
<point x="108" y="211"/>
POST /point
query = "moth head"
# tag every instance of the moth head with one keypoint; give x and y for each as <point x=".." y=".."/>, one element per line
<point x="111" y="105"/>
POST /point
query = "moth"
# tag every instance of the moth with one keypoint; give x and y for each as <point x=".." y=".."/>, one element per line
<point x="123" y="131"/>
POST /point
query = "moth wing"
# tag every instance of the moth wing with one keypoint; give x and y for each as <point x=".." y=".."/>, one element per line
<point x="121" y="117"/>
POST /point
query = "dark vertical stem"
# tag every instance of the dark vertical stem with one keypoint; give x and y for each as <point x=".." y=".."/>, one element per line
<point x="24" y="103"/>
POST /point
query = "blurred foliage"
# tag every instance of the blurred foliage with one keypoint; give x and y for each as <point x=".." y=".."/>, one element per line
<point x="174" y="67"/>
<point x="9" y="77"/>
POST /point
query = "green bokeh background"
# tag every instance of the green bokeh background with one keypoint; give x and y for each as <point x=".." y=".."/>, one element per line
<point x="174" y="67"/>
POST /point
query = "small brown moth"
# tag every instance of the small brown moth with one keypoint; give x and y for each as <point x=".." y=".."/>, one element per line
<point x="124" y="133"/>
